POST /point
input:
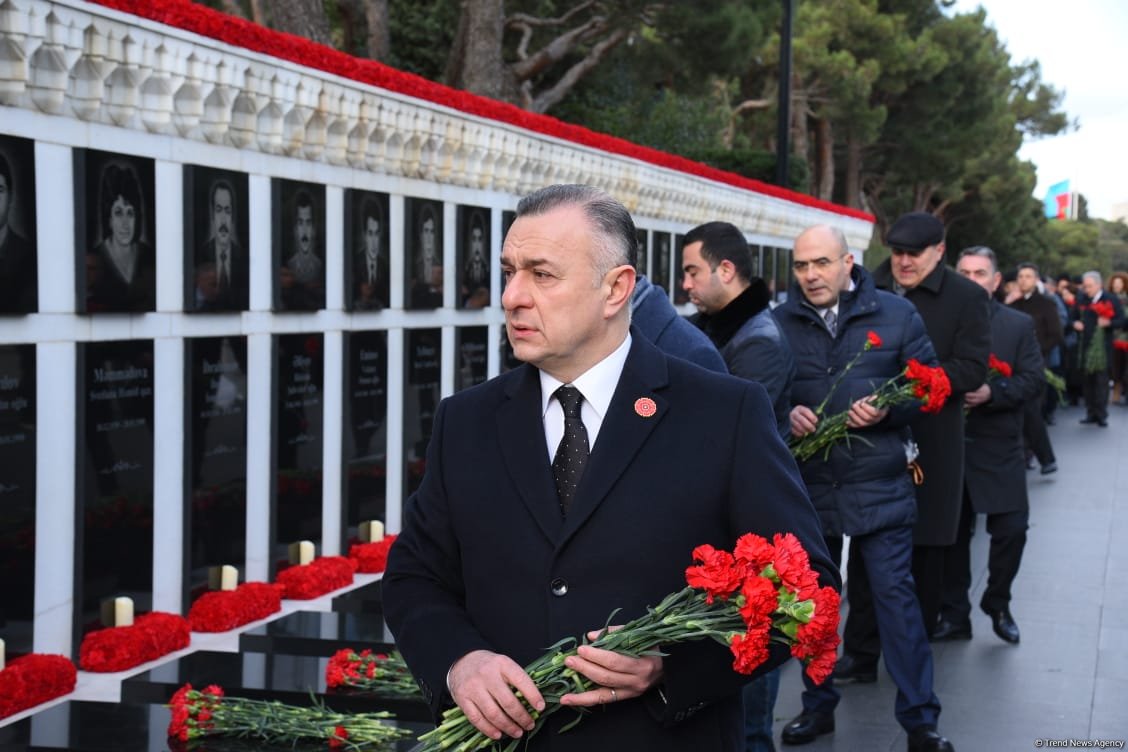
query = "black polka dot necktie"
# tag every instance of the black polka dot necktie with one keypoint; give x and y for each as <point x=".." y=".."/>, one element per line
<point x="572" y="453"/>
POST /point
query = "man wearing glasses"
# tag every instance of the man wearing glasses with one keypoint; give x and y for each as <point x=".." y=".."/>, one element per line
<point x="956" y="318"/>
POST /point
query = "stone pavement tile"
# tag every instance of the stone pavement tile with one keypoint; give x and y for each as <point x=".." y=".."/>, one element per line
<point x="977" y="722"/>
<point x="1112" y="655"/>
<point x="1110" y="719"/>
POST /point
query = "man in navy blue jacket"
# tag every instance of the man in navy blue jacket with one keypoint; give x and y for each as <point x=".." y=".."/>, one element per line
<point x="654" y="315"/>
<point x="500" y="556"/>
<point x="861" y="488"/>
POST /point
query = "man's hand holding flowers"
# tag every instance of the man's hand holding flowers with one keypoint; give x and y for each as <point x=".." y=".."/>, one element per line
<point x="483" y="684"/>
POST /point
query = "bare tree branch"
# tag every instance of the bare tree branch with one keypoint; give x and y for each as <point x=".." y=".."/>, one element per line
<point x="547" y="99"/>
<point x="524" y="19"/>
<point x="556" y="50"/>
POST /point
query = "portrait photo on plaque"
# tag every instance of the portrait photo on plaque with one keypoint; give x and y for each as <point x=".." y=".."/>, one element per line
<point x="642" y="251"/>
<point x="367" y="249"/>
<point x="660" y="271"/>
<point x="473" y="258"/>
<point x="681" y="297"/>
<point x="298" y="211"/>
<point x="216" y="240"/>
<point x="116" y="231"/>
<point x="424" y="240"/>
<point x="19" y="281"/>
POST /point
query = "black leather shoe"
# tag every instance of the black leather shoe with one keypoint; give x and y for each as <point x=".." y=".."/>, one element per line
<point x="1049" y="467"/>
<point x="806" y="727"/>
<point x="1102" y="422"/>
<point x="1003" y="624"/>
<point x="946" y="631"/>
<point x="926" y="739"/>
<point x="850" y="670"/>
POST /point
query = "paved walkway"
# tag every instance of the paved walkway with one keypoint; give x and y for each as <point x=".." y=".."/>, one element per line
<point x="1068" y="679"/>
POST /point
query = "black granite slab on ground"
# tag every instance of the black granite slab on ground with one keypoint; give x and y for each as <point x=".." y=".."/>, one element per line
<point x="318" y="633"/>
<point x="363" y="600"/>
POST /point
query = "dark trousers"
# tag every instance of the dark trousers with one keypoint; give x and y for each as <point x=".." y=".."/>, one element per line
<point x="860" y="635"/>
<point x="759" y="712"/>
<point x="1008" y="539"/>
<point x="1034" y="432"/>
<point x="887" y="556"/>
<point x="1094" y="389"/>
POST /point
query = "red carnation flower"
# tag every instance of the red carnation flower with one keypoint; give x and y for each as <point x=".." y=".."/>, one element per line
<point x="719" y="575"/>
<point x="872" y="340"/>
<point x="1103" y="309"/>
<point x="760" y="600"/>
<point x="339" y="737"/>
<point x="793" y="566"/>
<point x="754" y="551"/>
<point x="749" y="650"/>
<point x="999" y="366"/>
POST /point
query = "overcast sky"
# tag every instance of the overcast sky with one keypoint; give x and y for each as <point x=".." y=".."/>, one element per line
<point x="1083" y="49"/>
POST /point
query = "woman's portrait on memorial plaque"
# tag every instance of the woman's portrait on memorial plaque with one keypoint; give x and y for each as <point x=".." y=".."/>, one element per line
<point x="424" y="253"/>
<point x="117" y="231"/>
<point x="299" y="245"/>
<point x="19" y="281"/>
<point x="215" y="240"/>
<point x="473" y="257"/>
<point x="367" y="243"/>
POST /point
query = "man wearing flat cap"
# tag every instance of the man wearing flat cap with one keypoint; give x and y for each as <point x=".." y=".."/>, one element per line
<point x="955" y="315"/>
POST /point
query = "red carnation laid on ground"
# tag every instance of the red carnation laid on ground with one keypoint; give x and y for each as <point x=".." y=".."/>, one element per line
<point x="119" y="648"/>
<point x="371" y="558"/>
<point x="221" y="610"/>
<point x="322" y="575"/>
<point x="30" y="680"/>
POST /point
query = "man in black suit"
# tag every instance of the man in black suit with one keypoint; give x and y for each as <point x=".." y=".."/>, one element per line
<point x="1093" y="367"/>
<point x="1050" y="335"/>
<point x="501" y="556"/>
<point x="370" y="265"/>
<point x="995" y="465"/>
<point x="19" y="289"/>
<point x="221" y="265"/>
<point x="954" y="310"/>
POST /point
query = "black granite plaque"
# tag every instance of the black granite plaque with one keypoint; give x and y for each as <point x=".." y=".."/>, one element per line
<point x="642" y="251"/>
<point x="17" y="494"/>
<point x="660" y="272"/>
<point x="471" y="346"/>
<point x="297" y="441"/>
<point x="680" y="295"/>
<point x="115" y="233"/>
<point x="319" y="633"/>
<point x="19" y="289"/>
<point x="509" y="360"/>
<point x="299" y="245"/>
<point x="423" y="367"/>
<point x="365" y="426"/>
<point x="424" y="242"/>
<point x="216" y="468"/>
<point x="114" y="525"/>
<point x="216" y="240"/>
<point x="473" y="257"/>
<point x="367" y="247"/>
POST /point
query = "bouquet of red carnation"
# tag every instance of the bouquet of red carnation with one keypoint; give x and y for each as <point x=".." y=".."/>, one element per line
<point x="221" y="610"/>
<point x="33" y="679"/>
<point x="380" y="673"/>
<point x="322" y="575"/>
<point x="998" y="367"/>
<point x="197" y="714"/>
<point x="1096" y="357"/>
<point x="371" y="558"/>
<point x="119" y="648"/>
<point x="759" y="593"/>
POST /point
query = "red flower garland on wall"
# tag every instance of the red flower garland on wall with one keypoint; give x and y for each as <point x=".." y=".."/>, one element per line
<point x="119" y="648"/>
<point x="322" y="575"/>
<point x="240" y="32"/>
<point x="371" y="558"/>
<point x="221" y="610"/>
<point x="31" y="680"/>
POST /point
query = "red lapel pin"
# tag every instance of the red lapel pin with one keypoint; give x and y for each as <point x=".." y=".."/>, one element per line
<point x="645" y="407"/>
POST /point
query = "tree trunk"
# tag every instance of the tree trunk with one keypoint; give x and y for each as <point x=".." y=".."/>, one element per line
<point x="800" y="146"/>
<point x="475" y="62"/>
<point x="305" y="18"/>
<point x="258" y="13"/>
<point x="233" y="8"/>
<point x="824" y="145"/>
<point x="379" y="37"/>
<point x="853" y="172"/>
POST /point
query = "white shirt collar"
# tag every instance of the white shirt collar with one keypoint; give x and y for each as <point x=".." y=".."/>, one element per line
<point x="597" y="385"/>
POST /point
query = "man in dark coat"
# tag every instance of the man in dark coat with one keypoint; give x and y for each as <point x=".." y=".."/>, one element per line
<point x="995" y="466"/>
<point x="861" y="488"/>
<point x="654" y="315"/>
<point x="734" y="313"/>
<point x="1094" y="386"/>
<point x="222" y="262"/>
<point x="955" y="315"/>
<point x="1050" y="335"/>
<point x="498" y="559"/>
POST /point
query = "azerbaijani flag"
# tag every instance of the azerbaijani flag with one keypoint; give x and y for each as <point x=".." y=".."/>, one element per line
<point x="1058" y="201"/>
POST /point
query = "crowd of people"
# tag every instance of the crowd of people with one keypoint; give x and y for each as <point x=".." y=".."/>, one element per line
<point x="520" y="490"/>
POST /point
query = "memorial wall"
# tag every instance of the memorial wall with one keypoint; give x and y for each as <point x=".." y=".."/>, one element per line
<point x="234" y="287"/>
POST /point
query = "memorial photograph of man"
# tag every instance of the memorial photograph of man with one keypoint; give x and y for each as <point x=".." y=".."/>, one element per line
<point x="473" y="257"/>
<point x="116" y="228"/>
<point x="216" y="225"/>
<point x="299" y="243"/>
<point x="366" y="235"/>
<point x="424" y="254"/>
<point x="19" y="291"/>
<point x="556" y="495"/>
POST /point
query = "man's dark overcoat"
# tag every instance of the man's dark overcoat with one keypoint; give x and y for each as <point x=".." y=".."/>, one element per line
<point x="954" y="310"/>
<point x="996" y="460"/>
<point x="487" y="561"/>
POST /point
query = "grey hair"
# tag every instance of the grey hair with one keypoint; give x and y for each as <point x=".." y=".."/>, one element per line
<point x="983" y="252"/>
<point x="1093" y="275"/>
<point x="616" y="240"/>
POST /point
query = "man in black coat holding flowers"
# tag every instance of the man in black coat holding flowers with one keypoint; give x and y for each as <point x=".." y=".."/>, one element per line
<point x="541" y="516"/>
<point x="1100" y="315"/>
<point x="848" y="339"/>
